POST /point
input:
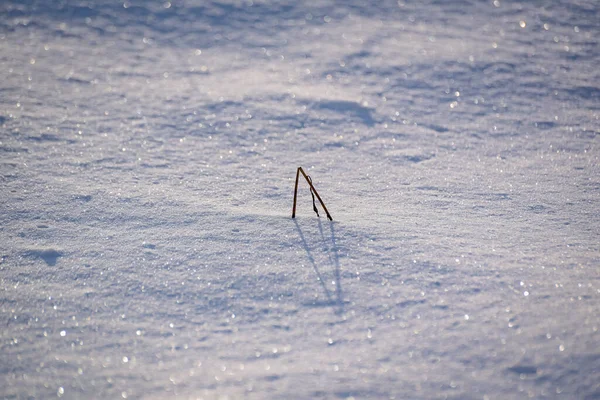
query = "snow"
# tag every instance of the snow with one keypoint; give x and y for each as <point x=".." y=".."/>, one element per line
<point x="148" y="152"/>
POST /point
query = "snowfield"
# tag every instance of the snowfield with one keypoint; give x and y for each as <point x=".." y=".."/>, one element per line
<point x="148" y="151"/>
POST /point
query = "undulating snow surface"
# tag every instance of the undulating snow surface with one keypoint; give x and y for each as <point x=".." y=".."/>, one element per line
<point x="148" y="152"/>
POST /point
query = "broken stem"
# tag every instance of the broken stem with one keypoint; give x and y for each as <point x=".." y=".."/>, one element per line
<point x="313" y="189"/>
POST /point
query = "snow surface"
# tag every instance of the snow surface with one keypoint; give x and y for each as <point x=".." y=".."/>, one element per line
<point x="148" y="152"/>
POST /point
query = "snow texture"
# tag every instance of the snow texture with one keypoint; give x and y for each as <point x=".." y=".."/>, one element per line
<point x="148" y="151"/>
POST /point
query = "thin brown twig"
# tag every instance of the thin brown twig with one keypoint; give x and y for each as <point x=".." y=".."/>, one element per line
<point x="300" y="170"/>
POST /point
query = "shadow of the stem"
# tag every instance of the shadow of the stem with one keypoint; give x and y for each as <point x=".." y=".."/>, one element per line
<point x="336" y="301"/>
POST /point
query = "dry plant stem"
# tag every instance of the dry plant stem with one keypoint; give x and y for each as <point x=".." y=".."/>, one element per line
<point x="296" y="192"/>
<point x="314" y="190"/>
